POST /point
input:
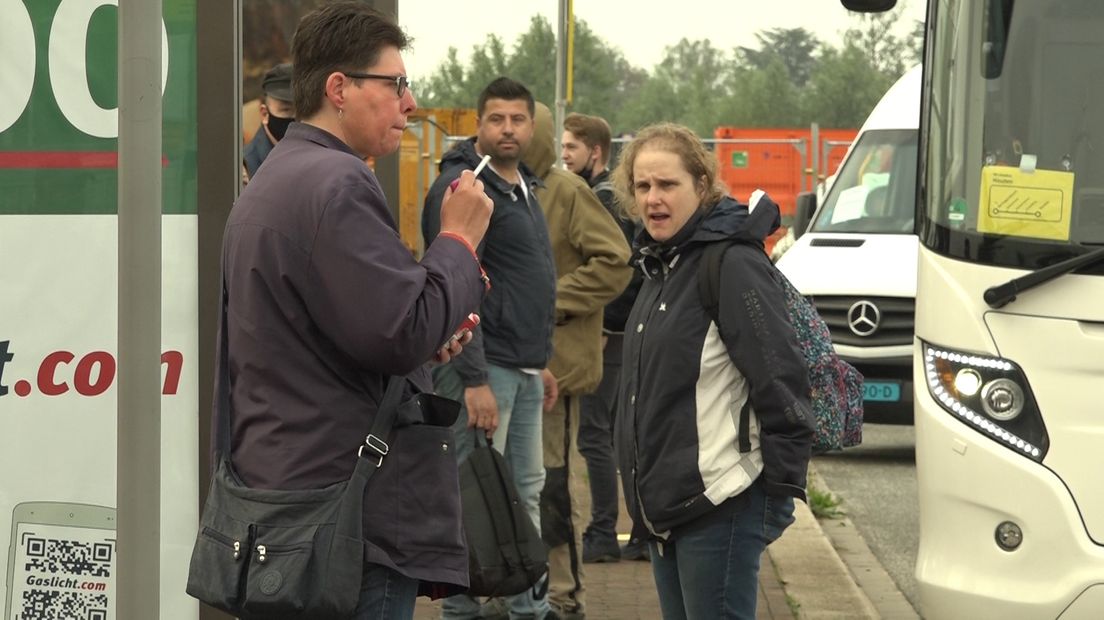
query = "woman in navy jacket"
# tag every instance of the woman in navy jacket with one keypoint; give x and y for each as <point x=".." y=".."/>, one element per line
<point x="687" y="382"/>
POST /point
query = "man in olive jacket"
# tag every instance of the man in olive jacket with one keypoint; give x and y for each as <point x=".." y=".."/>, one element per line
<point x="592" y="269"/>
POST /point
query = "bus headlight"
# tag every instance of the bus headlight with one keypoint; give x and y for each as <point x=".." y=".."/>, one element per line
<point x="988" y="394"/>
<point x="1002" y="399"/>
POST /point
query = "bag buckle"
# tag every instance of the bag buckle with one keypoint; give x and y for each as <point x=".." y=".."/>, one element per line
<point x="376" y="444"/>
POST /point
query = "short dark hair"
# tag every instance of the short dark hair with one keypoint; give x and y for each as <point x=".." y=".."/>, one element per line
<point x="592" y="131"/>
<point x="342" y="36"/>
<point x="505" y="88"/>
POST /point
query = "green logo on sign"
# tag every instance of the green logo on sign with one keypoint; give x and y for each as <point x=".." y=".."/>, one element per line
<point x="739" y="159"/>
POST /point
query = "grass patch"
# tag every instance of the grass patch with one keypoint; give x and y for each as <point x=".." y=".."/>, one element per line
<point x="795" y="607"/>
<point x="824" y="505"/>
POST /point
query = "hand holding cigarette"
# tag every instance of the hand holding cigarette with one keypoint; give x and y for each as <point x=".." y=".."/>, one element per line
<point x="482" y="164"/>
<point x="465" y="208"/>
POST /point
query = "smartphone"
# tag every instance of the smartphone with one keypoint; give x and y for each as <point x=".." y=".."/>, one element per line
<point x="468" y="324"/>
<point x="61" y="562"/>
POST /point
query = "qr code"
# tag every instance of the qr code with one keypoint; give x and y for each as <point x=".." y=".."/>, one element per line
<point x="65" y="579"/>
<point x="55" y="605"/>
<point x="68" y="557"/>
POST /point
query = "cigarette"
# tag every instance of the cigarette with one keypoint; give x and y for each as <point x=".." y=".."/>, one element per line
<point x="482" y="164"/>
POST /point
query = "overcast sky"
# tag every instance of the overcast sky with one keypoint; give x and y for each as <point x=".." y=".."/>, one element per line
<point x="641" y="29"/>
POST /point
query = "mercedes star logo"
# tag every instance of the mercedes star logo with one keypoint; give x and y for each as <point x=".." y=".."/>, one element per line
<point x="863" y="318"/>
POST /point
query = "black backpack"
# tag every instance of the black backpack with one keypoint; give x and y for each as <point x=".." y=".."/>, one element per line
<point x="505" y="552"/>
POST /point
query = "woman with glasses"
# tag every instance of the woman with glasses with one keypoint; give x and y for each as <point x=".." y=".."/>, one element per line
<point x="712" y="490"/>
<point x="325" y="304"/>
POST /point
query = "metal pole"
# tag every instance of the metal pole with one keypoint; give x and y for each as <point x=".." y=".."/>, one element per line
<point x="815" y="147"/>
<point x="218" y="171"/>
<point x="561" y="76"/>
<point x="138" y="476"/>
<point x="387" y="166"/>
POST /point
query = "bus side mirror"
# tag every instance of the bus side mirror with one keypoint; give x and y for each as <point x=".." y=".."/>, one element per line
<point x="868" y="6"/>
<point x="806" y="205"/>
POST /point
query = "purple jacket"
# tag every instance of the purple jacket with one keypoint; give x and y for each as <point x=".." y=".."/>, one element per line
<point x="325" y="302"/>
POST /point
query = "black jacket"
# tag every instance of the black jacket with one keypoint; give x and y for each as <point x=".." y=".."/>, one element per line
<point x="617" y="311"/>
<point x="256" y="151"/>
<point x="684" y="381"/>
<point x="517" y="314"/>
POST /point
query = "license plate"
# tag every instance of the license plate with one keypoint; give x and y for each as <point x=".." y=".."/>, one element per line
<point x="881" y="391"/>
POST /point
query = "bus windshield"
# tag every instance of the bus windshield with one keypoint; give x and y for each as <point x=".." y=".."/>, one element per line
<point x="1016" y="176"/>
<point x="875" y="188"/>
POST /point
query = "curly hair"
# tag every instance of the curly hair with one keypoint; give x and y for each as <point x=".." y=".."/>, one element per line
<point x="698" y="160"/>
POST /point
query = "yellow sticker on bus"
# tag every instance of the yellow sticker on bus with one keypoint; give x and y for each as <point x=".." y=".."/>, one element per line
<point x="1026" y="204"/>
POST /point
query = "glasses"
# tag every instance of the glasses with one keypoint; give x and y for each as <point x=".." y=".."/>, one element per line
<point x="401" y="81"/>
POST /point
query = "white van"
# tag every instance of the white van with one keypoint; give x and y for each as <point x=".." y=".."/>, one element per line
<point x="857" y="258"/>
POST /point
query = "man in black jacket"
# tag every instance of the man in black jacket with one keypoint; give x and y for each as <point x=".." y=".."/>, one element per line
<point x="499" y="377"/>
<point x="586" y="152"/>
<point x="277" y="112"/>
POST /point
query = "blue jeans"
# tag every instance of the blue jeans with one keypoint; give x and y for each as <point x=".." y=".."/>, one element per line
<point x="595" y="440"/>
<point x="385" y="595"/>
<point x="518" y="438"/>
<point x="709" y="568"/>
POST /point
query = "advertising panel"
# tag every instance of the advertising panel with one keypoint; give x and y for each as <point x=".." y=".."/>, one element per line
<point x="58" y="308"/>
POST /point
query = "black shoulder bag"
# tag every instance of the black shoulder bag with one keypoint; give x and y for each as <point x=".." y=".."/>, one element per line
<point x="283" y="554"/>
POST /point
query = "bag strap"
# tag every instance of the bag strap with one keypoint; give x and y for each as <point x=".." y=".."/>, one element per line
<point x="375" y="441"/>
<point x="709" y="291"/>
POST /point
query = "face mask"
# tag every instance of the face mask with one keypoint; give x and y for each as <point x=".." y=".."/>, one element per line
<point x="588" y="170"/>
<point x="278" y="125"/>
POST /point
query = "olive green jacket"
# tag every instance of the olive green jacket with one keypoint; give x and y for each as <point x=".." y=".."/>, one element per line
<point x="592" y="263"/>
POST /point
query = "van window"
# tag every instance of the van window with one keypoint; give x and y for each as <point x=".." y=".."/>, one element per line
<point x="875" y="188"/>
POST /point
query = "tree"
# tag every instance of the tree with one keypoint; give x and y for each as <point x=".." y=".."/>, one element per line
<point x="452" y="85"/>
<point x="534" y="60"/>
<point x="795" y="48"/>
<point x="885" y="50"/>
<point x="844" y="88"/>
<point x="603" y="79"/>
<point x="916" y="42"/>
<point x="766" y="97"/>
<point x="688" y="87"/>
<point x="791" y="81"/>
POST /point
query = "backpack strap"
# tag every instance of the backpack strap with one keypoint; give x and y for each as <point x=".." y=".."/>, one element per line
<point x="604" y="186"/>
<point x="709" y="291"/>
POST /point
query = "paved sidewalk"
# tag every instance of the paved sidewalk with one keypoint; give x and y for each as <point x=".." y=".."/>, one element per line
<point x="801" y="577"/>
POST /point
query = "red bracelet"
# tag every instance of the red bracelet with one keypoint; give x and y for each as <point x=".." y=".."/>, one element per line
<point x="452" y="235"/>
<point x="482" y="273"/>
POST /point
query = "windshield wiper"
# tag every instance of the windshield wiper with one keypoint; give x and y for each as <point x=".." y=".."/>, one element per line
<point x="998" y="296"/>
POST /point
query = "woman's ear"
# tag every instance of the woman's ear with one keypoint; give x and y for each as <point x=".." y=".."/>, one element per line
<point x="335" y="87"/>
<point x="703" y="187"/>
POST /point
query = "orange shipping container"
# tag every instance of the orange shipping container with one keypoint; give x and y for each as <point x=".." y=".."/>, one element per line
<point x="780" y="161"/>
